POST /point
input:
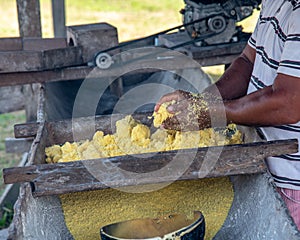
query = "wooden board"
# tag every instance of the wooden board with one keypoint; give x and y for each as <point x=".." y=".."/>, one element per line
<point x="20" y="145"/>
<point x="49" y="179"/>
<point x="22" y="61"/>
<point x="206" y="55"/>
<point x="11" y="44"/>
<point x="29" y="18"/>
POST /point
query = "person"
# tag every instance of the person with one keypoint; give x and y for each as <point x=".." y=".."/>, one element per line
<point x="261" y="88"/>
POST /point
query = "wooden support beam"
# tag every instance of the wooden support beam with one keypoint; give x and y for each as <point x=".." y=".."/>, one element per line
<point x="59" y="178"/>
<point x="29" y="18"/>
<point x="24" y="61"/>
<point x="93" y="38"/>
<point x="26" y="130"/>
<point x="59" y="18"/>
<point x="43" y="44"/>
<point x="11" y="44"/>
<point x="20" y="145"/>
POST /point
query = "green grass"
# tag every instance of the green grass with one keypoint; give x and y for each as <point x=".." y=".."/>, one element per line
<point x="6" y="216"/>
<point x="7" y="121"/>
<point x="125" y="6"/>
<point x="133" y="18"/>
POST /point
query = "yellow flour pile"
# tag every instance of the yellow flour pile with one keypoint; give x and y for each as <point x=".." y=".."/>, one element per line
<point x="133" y="137"/>
<point x="86" y="212"/>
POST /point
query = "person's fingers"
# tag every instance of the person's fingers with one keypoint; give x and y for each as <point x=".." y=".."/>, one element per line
<point x="177" y="96"/>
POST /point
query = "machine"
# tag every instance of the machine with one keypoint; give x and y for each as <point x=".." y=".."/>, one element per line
<point x="219" y="17"/>
<point x="206" y="22"/>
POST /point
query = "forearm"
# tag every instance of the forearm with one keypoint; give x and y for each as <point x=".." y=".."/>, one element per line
<point x="235" y="80"/>
<point x="265" y="107"/>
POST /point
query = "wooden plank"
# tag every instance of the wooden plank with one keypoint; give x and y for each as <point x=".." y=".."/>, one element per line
<point x="59" y="178"/>
<point x="75" y="73"/>
<point x="22" y="61"/>
<point x="62" y="57"/>
<point x="59" y="18"/>
<point x="206" y="55"/>
<point x="20" y="145"/>
<point x="26" y="130"/>
<point x="20" y="78"/>
<point x="11" y="44"/>
<point x="218" y="50"/>
<point x="41" y="44"/>
<point x="62" y="131"/>
<point x="31" y="93"/>
<point x="29" y="18"/>
<point x="218" y="60"/>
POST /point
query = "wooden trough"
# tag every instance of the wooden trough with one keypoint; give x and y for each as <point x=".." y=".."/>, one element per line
<point x="243" y="162"/>
<point x="58" y="178"/>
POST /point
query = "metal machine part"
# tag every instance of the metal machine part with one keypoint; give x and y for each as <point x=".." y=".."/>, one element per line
<point x="206" y="22"/>
<point x="103" y="60"/>
<point x="221" y="17"/>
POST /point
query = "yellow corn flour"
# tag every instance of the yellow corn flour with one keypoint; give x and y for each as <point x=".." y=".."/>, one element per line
<point x="162" y="114"/>
<point x="133" y="137"/>
<point x="86" y="212"/>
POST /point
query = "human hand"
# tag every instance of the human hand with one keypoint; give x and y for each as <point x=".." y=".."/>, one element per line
<point x="190" y="111"/>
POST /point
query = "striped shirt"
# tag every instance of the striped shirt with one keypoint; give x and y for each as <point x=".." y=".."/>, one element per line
<point x="276" y="40"/>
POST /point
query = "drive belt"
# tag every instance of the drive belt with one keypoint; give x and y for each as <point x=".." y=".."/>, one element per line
<point x="102" y="58"/>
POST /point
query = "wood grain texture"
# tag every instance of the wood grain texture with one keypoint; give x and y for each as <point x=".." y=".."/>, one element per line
<point x="52" y="179"/>
<point x="39" y="60"/>
<point x="29" y="18"/>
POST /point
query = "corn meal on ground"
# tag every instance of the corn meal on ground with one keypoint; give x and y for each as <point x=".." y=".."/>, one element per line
<point x="86" y="212"/>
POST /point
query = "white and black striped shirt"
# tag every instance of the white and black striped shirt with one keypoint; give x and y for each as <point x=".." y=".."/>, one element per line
<point x="276" y="40"/>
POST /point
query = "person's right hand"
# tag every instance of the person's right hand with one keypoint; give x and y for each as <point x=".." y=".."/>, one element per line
<point x="190" y="111"/>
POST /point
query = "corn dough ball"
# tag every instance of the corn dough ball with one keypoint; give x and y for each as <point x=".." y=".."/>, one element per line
<point x="124" y="126"/>
<point x="186" y="140"/>
<point x="69" y="152"/>
<point x="91" y="152"/>
<point x="162" y="114"/>
<point x="140" y="132"/>
<point x="53" y="154"/>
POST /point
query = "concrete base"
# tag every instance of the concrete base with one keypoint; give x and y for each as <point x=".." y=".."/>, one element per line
<point x="3" y="234"/>
<point x="257" y="213"/>
<point x="38" y="218"/>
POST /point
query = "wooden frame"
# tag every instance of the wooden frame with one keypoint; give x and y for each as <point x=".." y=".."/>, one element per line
<point x="59" y="178"/>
